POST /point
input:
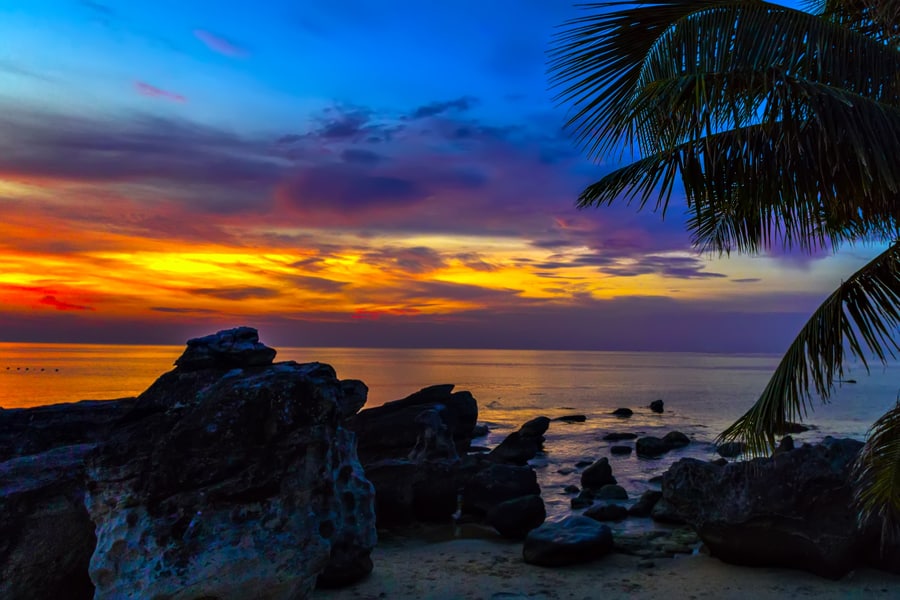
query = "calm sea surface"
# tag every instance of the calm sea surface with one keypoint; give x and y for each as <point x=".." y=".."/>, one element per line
<point x="703" y="393"/>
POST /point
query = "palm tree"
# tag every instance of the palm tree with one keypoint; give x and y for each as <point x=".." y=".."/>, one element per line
<point x="783" y="127"/>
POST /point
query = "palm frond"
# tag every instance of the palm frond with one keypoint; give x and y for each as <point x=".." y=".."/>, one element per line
<point x="878" y="475"/>
<point x="860" y="318"/>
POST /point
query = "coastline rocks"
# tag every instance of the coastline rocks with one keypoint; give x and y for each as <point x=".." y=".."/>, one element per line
<point x="218" y="495"/>
<point x="584" y="499"/>
<point x="571" y="418"/>
<point x="730" y="449"/>
<point x="390" y="431"/>
<point x="620" y="450"/>
<point x="521" y="446"/>
<point x="407" y="491"/>
<point x="514" y="518"/>
<point x="46" y="535"/>
<point x="226" y="349"/>
<point x="653" y="447"/>
<point x="623" y="412"/>
<point x="618" y="437"/>
<point x="611" y="492"/>
<point x="606" y="512"/>
<point x="597" y="475"/>
<point x="573" y="540"/>
<point x="498" y="483"/>
<point x="644" y="506"/>
<point x="657" y="406"/>
<point x="791" y="510"/>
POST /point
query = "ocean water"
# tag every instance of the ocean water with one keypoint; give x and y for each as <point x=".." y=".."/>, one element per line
<point x="703" y="393"/>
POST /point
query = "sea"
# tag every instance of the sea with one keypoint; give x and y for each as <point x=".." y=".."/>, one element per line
<point x="703" y="394"/>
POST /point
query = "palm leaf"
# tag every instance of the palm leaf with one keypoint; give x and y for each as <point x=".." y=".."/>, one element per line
<point x="878" y="475"/>
<point x="860" y="318"/>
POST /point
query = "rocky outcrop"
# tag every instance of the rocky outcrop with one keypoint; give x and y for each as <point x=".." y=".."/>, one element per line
<point x="792" y="510"/>
<point x="514" y="518"/>
<point x="495" y="483"/>
<point x="652" y="447"/>
<point x="645" y="504"/>
<point x="606" y="512"/>
<point x="391" y="431"/>
<point x="623" y="412"/>
<point x="230" y="477"/>
<point x="657" y="406"/>
<point x="573" y="540"/>
<point x="521" y="446"/>
<point x="597" y="475"/>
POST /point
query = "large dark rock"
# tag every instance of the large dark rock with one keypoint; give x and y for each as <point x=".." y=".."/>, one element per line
<point x="617" y="437"/>
<point x="46" y="535"/>
<point x="521" y="446"/>
<point x="623" y="412"/>
<point x="730" y="449"/>
<point x="407" y="491"/>
<point x="606" y="512"/>
<point x="228" y="349"/>
<point x="657" y="406"/>
<point x="645" y="504"/>
<point x="611" y="492"/>
<point x="390" y="431"/>
<point x="497" y="483"/>
<point x="515" y="518"/>
<point x="792" y="510"/>
<point x="597" y="475"/>
<point x="652" y="447"/>
<point x="573" y="540"/>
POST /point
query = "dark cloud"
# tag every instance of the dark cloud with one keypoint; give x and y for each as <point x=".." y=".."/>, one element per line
<point x="316" y="284"/>
<point x="417" y="259"/>
<point x="237" y="293"/>
<point x="677" y="267"/>
<point x="361" y="156"/>
<point x="52" y="301"/>
<point x="747" y="280"/>
<point x="434" y="109"/>
<point x="334" y="188"/>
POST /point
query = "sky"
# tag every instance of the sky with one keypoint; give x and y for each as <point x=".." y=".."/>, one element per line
<point x="384" y="173"/>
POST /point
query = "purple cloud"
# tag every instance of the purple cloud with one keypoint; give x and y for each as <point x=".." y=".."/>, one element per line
<point x="220" y="44"/>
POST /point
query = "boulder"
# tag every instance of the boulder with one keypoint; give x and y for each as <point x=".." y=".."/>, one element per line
<point x="571" y="489"/>
<point x="611" y="492"/>
<point x="791" y="510"/>
<point x="644" y="506"/>
<point x="390" y="431"/>
<point x="521" y="446"/>
<point x="652" y="447"/>
<point x="620" y="450"/>
<point x="46" y="535"/>
<point x="515" y="518"/>
<point x="220" y="493"/>
<point x="584" y="499"/>
<point x="676" y="439"/>
<point x="623" y="412"/>
<point x="573" y="540"/>
<point x="480" y="430"/>
<point x="606" y="512"/>
<point x="597" y="475"/>
<point x="227" y="349"/>
<point x="407" y="491"/>
<point x="571" y="418"/>
<point x="657" y="406"/>
<point x="719" y="462"/>
<point x="497" y="483"/>
<point x="791" y="427"/>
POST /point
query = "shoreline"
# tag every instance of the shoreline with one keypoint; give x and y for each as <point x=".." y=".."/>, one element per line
<point x="472" y="568"/>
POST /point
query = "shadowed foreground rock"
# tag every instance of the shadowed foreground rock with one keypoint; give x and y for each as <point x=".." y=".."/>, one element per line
<point x="229" y="478"/>
<point x="570" y="541"/>
<point x="791" y="510"/>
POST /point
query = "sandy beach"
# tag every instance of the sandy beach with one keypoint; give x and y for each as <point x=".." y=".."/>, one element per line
<point x="480" y="569"/>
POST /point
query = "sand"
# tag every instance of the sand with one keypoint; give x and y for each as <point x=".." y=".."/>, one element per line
<point x="479" y="569"/>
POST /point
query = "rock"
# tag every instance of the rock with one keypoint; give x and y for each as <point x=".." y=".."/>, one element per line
<point x="46" y="535"/>
<point x="786" y="445"/>
<point x="719" y="462"/>
<point x="606" y="512"/>
<point x="664" y="512"/>
<point x="597" y="475"/>
<point x="523" y="445"/>
<point x="407" y="491"/>
<point x="623" y="412"/>
<point x="565" y="471"/>
<point x="644" y="506"/>
<point x="583" y="463"/>
<point x="390" y="431"/>
<point x="618" y="437"/>
<point x="571" y="489"/>
<point x="611" y="492"/>
<point x="584" y="499"/>
<point x="355" y="394"/>
<point x="480" y="430"/>
<point x="435" y="442"/>
<point x="620" y="450"/>
<point x="515" y="518"/>
<point x="676" y="439"/>
<point x="227" y="349"/>
<point x="571" y="418"/>
<point x="730" y="449"/>
<point x="646" y="563"/>
<point x="651" y="447"/>
<point x="791" y="510"/>
<point x="203" y="499"/>
<point x="570" y="541"/>
<point x="498" y="483"/>
<point x="656" y="406"/>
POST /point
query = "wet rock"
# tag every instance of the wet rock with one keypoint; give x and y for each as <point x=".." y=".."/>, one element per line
<point x="719" y="462"/>
<point x="480" y="430"/>
<point x="573" y="540"/>
<point x="355" y="394"/>
<point x="584" y="499"/>
<point x="623" y="412"/>
<point x="606" y="512"/>
<point x="657" y="406"/>
<point x="498" y="483"/>
<point x="571" y="418"/>
<point x="730" y="449"/>
<point x="665" y="512"/>
<point x="435" y="442"/>
<point x="583" y="463"/>
<point x="597" y="475"/>
<point x="791" y="427"/>
<point x="644" y="506"/>
<point x="611" y="492"/>
<point x="620" y="450"/>
<point x="571" y="489"/>
<point x="651" y="447"/>
<point x="676" y="439"/>
<point x="523" y="445"/>
<point x="514" y="518"/>
<point x="565" y="471"/>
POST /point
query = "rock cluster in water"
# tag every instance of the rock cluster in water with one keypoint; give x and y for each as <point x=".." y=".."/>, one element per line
<point x="230" y="477"/>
